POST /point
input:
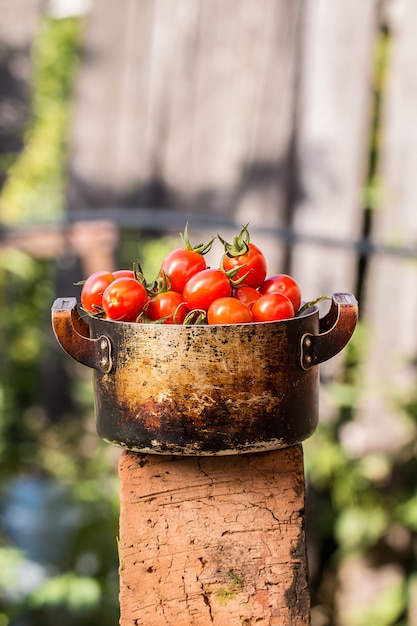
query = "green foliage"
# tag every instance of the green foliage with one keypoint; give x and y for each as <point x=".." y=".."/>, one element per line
<point x="76" y="593"/>
<point x="34" y="187"/>
<point x="68" y="451"/>
<point x="11" y="560"/>
<point x="25" y="285"/>
<point x="386" y="611"/>
<point x="363" y="501"/>
<point x="359" y="527"/>
<point x="153" y="251"/>
<point x="149" y="251"/>
<point x="55" y="451"/>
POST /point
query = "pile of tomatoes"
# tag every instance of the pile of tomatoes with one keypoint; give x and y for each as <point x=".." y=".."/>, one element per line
<point x="188" y="292"/>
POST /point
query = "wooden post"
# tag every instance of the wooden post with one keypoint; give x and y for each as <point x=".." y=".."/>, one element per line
<point x="213" y="540"/>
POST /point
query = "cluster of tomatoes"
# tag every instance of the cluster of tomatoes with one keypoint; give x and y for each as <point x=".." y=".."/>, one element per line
<point x="188" y="292"/>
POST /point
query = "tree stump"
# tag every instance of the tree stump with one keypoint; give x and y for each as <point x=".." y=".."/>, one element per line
<point x="213" y="540"/>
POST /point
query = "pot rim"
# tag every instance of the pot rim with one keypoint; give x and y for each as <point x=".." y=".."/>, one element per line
<point x="309" y="312"/>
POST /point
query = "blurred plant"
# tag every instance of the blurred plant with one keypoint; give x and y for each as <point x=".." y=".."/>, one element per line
<point x="25" y="286"/>
<point x="148" y="250"/>
<point x="362" y="507"/>
<point x="67" y="452"/>
<point x="34" y="187"/>
<point x="59" y="492"/>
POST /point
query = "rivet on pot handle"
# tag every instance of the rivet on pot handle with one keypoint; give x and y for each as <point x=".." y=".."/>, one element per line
<point x="72" y="333"/>
<point x="336" y="328"/>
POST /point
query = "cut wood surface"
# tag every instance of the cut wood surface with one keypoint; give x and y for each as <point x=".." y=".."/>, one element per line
<point x="216" y="540"/>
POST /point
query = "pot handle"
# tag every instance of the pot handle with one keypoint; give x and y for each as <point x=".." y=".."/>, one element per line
<point x="72" y="334"/>
<point x="336" y="328"/>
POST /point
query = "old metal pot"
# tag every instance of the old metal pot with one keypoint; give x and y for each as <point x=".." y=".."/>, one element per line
<point x="206" y="390"/>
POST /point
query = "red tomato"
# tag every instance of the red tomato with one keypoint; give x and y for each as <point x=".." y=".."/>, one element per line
<point x="247" y="295"/>
<point x="169" y="305"/>
<point x="92" y="291"/>
<point x="253" y="262"/>
<point x="228" y="311"/>
<point x="124" y="299"/>
<point x="124" y="274"/>
<point x="282" y="283"/>
<point x="205" y="287"/>
<point x="272" y="307"/>
<point x="180" y="264"/>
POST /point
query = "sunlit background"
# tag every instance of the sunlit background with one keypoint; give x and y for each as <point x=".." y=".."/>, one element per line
<point x="119" y="123"/>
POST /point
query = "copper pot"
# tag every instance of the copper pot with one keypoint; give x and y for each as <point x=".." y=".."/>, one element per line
<point x="206" y="390"/>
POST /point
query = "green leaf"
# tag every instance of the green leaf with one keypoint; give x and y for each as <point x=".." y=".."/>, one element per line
<point x="385" y="611"/>
<point x="77" y="593"/>
<point x="359" y="527"/>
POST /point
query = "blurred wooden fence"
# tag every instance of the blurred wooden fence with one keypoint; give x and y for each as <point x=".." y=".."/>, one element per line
<point x="264" y="111"/>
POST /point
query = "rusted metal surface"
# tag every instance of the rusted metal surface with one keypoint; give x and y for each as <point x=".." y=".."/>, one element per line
<point x="72" y="333"/>
<point x="203" y="390"/>
<point x="336" y="328"/>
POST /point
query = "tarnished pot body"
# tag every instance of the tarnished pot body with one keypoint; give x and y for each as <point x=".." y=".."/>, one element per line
<point x="196" y="390"/>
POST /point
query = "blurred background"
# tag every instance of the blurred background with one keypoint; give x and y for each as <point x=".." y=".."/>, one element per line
<point x="120" y="122"/>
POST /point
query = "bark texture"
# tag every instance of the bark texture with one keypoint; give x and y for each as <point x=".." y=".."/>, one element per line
<point x="213" y="540"/>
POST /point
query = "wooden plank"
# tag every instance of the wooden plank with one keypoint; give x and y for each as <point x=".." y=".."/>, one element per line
<point x="264" y="191"/>
<point x="391" y="296"/>
<point x="332" y="146"/>
<point x="206" y="541"/>
<point x="189" y="105"/>
<point x="106" y="134"/>
<point x="333" y="140"/>
<point x="241" y="130"/>
<point x="18" y="25"/>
